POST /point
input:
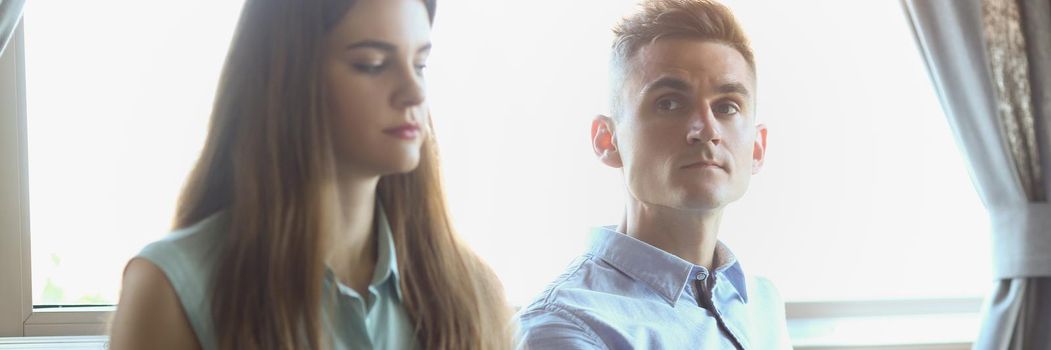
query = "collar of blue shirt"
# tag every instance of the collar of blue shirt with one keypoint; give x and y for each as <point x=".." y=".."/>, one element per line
<point x="664" y="273"/>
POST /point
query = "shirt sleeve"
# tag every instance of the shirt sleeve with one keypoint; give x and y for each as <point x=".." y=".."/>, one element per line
<point x="772" y="311"/>
<point x="555" y="328"/>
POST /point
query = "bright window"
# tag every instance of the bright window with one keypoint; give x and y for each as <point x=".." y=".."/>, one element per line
<point x="864" y="195"/>
<point x="118" y="98"/>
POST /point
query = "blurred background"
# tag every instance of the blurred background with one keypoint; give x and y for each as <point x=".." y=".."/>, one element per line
<point x="864" y="196"/>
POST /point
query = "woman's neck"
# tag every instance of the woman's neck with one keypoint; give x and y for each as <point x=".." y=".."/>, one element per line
<point x="351" y="253"/>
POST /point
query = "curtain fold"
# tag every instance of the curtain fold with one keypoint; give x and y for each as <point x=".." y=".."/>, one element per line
<point x="990" y="62"/>
<point x="10" y="14"/>
<point x="1005" y="50"/>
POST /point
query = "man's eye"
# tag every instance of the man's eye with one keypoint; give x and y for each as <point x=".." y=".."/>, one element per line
<point x="420" y="68"/>
<point x="726" y="109"/>
<point x="669" y="105"/>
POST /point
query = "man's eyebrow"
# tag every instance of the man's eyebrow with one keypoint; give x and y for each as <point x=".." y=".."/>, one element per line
<point x="667" y="82"/>
<point x="734" y="88"/>
<point x="425" y="48"/>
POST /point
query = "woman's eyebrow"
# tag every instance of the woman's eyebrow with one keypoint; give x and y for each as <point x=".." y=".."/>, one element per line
<point x="373" y="44"/>
<point x="383" y="46"/>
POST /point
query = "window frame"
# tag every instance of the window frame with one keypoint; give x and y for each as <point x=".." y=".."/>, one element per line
<point x="18" y="317"/>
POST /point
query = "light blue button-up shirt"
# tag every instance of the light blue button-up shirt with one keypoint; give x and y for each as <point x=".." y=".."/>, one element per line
<point x="626" y="294"/>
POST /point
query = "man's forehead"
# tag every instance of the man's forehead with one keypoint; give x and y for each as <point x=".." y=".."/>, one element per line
<point x="699" y="62"/>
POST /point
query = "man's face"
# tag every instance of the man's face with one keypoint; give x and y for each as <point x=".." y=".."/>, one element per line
<point x="686" y="135"/>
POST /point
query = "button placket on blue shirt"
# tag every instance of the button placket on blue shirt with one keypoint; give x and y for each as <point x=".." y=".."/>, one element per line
<point x="734" y="336"/>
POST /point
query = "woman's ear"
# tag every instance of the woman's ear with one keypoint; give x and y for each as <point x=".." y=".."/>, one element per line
<point x="604" y="141"/>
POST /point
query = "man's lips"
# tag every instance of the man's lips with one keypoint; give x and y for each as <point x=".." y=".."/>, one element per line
<point x="702" y="164"/>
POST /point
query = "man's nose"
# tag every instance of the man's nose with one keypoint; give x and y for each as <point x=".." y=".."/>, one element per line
<point x="703" y="127"/>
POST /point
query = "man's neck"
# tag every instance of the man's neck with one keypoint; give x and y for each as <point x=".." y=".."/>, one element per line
<point x="690" y="235"/>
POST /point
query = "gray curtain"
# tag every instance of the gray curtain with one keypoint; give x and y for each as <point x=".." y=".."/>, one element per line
<point x="990" y="61"/>
<point x="10" y="14"/>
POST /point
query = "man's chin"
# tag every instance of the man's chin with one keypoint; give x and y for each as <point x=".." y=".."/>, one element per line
<point x="698" y="206"/>
<point x="703" y="200"/>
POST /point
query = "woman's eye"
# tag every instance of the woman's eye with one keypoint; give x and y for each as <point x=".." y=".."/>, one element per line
<point x="369" y="68"/>
<point x="420" y="68"/>
<point x="669" y="105"/>
<point x="726" y="109"/>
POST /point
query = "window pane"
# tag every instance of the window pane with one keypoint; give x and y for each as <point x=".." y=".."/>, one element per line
<point x="118" y="97"/>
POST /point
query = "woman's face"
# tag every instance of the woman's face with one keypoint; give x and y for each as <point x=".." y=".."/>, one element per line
<point x="373" y="72"/>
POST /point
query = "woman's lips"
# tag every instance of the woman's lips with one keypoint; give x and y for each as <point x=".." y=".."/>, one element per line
<point x="404" y="132"/>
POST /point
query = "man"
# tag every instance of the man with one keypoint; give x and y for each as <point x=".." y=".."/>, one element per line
<point x="683" y="131"/>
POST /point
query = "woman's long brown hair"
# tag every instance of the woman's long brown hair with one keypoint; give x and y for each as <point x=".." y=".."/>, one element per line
<point x="269" y="163"/>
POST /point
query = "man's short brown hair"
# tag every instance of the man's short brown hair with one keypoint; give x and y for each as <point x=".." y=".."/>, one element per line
<point x="692" y="19"/>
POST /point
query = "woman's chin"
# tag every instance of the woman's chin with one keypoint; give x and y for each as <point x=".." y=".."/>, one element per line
<point x="382" y="164"/>
<point x="403" y="166"/>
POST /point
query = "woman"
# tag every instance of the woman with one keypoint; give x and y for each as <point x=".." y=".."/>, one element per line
<point x="315" y="216"/>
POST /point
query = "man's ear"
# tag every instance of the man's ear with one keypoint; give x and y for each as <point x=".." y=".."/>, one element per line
<point x="603" y="141"/>
<point x="759" y="150"/>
